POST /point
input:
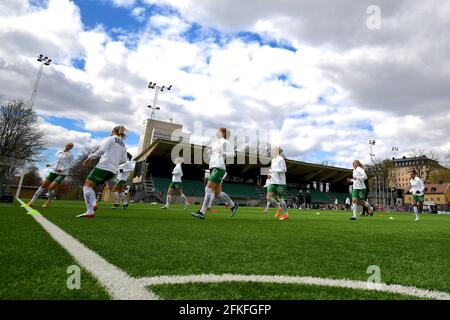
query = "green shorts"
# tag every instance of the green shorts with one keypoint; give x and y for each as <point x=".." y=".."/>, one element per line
<point x="100" y="176"/>
<point x="54" y="177"/>
<point x="217" y="175"/>
<point x="277" y="189"/>
<point x="120" y="183"/>
<point x="359" y="194"/>
<point x="176" y="186"/>
<point x="418" y="199"/>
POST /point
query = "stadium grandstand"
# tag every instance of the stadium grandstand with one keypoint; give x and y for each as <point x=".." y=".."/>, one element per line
<point x="244" y="182"/>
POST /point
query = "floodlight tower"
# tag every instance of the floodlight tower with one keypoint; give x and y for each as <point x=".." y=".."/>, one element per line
<point x="45" y="61"/>
<point x="372" y="143"/>
<point x="394" y="151"/>
<point x="158" y="89"/>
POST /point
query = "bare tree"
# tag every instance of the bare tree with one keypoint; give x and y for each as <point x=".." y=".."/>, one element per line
<point x="426" y="165"/>
<point x="32" y="177"/>
<point x="21" y="139"/>
<point x="78" y="173"/>
<point x="441" y="175"/>
<point x="384" y="171"/>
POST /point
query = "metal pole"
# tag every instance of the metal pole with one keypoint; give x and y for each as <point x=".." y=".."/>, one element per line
<point x="36" y="84"/>
<point x="155" y="101"/>
<point x="152" y="115"/>
<point x="19" y="187"/>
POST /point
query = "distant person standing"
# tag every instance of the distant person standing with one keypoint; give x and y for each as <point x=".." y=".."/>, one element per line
<point x="308" y="200"/>
<point x="347" y="203"/>
<point x="336" y="203"/>
<point x="300" y="199"/>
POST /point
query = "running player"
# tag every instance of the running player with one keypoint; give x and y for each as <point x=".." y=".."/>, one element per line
<point x="278" y="185"/>
<point x="359" y="192"/>
<point x="417" y="193"/>
<point x="177" y="174"/>
<point x="121" y="179"/>
<point x="112" y="153"/>
<point x="64" y="160"/>
<point x="268" y="183"/>
<point x="219" y="151"/>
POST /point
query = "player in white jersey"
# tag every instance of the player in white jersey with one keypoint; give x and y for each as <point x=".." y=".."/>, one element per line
<point x="59" y="171"/>
<point x="176" y="184"/>
<point x="359" y="192"/>
<point x="213" y="196"/>
<point x="268" y="183"/>
<point x="121" y="179"/>
<point x="278" y="185"/>
<point x="112" y="153"/>
<point x="417" y="193"/>
<point x="219" y="151"/>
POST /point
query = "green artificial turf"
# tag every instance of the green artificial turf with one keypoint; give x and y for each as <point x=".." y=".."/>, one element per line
<point x="33" y="265"/>
<point x="265" y="291"/>
<point x="146" y="241"/>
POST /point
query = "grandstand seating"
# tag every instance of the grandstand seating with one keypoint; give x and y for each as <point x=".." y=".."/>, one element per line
<point x="322" y="197"/>
<point x="196" y="188"/>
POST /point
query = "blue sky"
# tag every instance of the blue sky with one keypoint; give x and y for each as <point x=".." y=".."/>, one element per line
<point x="118" y="20"/>
<point x="317" y="85"/>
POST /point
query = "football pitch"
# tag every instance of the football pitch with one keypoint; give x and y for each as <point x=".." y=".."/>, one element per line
<point x="316" y="254"/>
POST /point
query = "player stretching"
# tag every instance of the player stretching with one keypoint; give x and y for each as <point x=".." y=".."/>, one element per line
<point x="112" y="153"/>
<point x="359" y="191"/>
<point x="278" y="185"/>
<point x="417" y="193"/>
<point x="121" y="180"/>
<point x="268" y="183"/>
<point x="177" y="173"/>
<point x="220" y="150"/>
<point x="60" y="170"/>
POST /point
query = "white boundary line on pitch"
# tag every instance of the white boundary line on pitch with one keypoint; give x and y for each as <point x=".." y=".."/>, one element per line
<point x="117" y="282"/>
<point x="121" y="286"/>
<point x="349" y="284"/>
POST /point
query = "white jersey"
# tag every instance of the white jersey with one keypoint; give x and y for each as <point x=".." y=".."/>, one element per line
<point x="63" y="163"/>
<point x="112" y="153"/>
<point x="220" y="150"/>
<point x="268" y="182"/>
<point x="126" y="168"/>
<point x="347" y="201"/>
<point x="359" y="176"/>
<point x="278" y="170"/>
<point x="417" y="186"/>
<point x="177" y="173"/>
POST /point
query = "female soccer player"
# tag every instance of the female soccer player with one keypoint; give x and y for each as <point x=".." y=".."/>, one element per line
<point x="121" y="180"/>
<point x="278" y="185"/>
<point x="219" y="151"/>
<point x="417" y="192"/>
<point x="57" y="174"/>
<point x="177" y="173"/>
<point x="268" y="183"/>
<point x="112" y="153"/>
<point x="359" y="192"/>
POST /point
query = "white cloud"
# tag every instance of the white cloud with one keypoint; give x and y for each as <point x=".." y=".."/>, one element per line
<point x="123" y="3"/>
<point x="138" y="13"/>
<point x="327" y="96"/>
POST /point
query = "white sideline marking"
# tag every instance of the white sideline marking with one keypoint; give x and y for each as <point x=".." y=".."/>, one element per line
<point x="123" y="287"/>
<point x="118" y="283"/>
<point x="351" y="284"/>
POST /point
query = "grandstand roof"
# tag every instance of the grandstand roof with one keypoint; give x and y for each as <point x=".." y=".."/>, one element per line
<point x="160" y="152"/>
